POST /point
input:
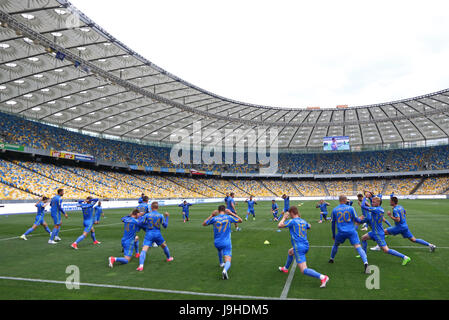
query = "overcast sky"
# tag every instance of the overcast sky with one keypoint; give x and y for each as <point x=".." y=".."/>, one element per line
<point x="289" y="53"/>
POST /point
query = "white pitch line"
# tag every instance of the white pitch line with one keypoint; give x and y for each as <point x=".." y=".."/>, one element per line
<point x="64" y="230"/>
<point x="221" y="295"/>
<point x="288" y="282"/>
<point x="403" y="247"/>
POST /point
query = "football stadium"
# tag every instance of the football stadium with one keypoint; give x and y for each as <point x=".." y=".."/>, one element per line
<point x="137" y="181"/>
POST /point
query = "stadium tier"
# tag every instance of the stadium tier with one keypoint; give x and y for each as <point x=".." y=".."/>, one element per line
<point x="19" y="131"/>
<point x="22" y="180"/>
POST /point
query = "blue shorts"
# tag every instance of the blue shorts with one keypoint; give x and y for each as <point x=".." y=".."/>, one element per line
<point x="404" y="231"/>
<point x="324" y="214"/>
<point x="56" y="218"/>
<point x="128" y="248"/>
<point x="39" y="220"/>
<point x="300" y="253"/>
<point x="251" y="211"/>
<point x="97" y="217"/>
<point x="88" y="224"/>
<point x="150" y="238"/>
<point x="342" y="236"/>
<point x="285" y="209"/>
<point x="225" y="247"/>
<point x="380" y="239"/>
<point x="186" y="214"/>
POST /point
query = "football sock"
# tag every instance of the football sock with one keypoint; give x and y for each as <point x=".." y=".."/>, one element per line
<point x="289" y="261"/>
<point x="220" y="256"/>
<point x="364" y="245"/>
<point x="421" y="241"/>
<point x="362" y="254"/>
<point x="80" y="238"/>
<point x="53" y="234"/>
<point x="29" y="231"/>
<point x="122" y="260"/>
<point x="312" y="273"/>
<point x="334" y="251"/>
<point x="142" y="258"/>
<point x="92" y="234"/>
<point x="227" y="265"/>
<point x="136" y="246"/>
<point x="47" y="229"/>
<point x="395" y="253"/>
<point x="167" y="252"/>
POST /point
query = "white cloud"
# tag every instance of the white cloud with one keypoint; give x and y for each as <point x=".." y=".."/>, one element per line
<point x="289" y="53"/>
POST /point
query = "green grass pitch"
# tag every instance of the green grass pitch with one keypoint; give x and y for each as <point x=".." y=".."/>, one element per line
<point x="254" y="271"/>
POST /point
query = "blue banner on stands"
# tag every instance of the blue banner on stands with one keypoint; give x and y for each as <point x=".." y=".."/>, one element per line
<point x="84" y="158"/>
<point x="164" y="169"/>
<point x="180" y="170"/>
<point x="133" y="166"/>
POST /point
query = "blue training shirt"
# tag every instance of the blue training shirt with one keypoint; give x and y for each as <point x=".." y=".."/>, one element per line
<point x="399" y="212"/>
<point x="298" y="231"/>
<point x="377" y="216"/>
<point x="287" y="204"/>
<point x="185" y="207"/>
<point x="229" y="203"/>
<point x="222" y="227"/>
<point x="56" y="205"/>
<point x="274" y="206"/>
<point x="87" y="208"/>
<point x="323" y="207"/>
<point x="152" y="222"/>
<point x="344" y="216"/>
<point x="132" y="226"/>
<point x="98" y="210"/>
<point x="40" y="209"/>
<point x="251" y="204"/>
<point x="143" y="207"/>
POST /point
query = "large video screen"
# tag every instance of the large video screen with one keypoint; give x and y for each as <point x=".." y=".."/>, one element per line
<point x="336" y="143"/>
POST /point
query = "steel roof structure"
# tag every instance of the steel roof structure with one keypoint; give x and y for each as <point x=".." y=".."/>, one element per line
<point x="57" y="66"/>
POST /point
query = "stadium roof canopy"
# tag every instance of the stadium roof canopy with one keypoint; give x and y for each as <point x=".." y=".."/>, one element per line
<point x="58" y="66"/>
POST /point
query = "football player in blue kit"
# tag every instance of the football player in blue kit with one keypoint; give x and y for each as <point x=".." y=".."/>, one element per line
<point x="323" y="210"/>
<point x="344" y="218"/>
<point x="251" y="211"/>
<point x="222" y="219"/>
<point x="378" y="234"/>
<point x="298" y="233"/>
<point x="131" y="227"/>
<point x="399" y="217"/>
<point x="151" y="222"/>
<point x="87" y="206"/>
<point x="39" y="220"/>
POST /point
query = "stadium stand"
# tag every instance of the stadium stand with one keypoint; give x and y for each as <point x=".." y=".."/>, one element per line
<point x="17" y="130"/>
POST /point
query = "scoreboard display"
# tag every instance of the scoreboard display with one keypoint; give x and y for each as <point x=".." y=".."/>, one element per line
<point x="338" y="143"/>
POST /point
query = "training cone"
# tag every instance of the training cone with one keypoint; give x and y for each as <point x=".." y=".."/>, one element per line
<point x="266" y="242"/>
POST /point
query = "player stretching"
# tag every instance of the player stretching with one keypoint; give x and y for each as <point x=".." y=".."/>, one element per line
<point x="251" y="204"/>
<point x="185" y="210"/>
<point x="151" y="223"/>
<point x="344" y="216"/>
<point x="370" y="196"/>
<point x="401" y="227"/>
<point x="87" y="207"/>
<point x="222" y="219"/>
<point x="298" y="233"/>
<point x="323" y="207"/>
<point x="98" y="213"/>
<point x="56" y="210"/>
<point x="286" y="204"/>
<point x="129" y="234"/>
<point x="231" y="207"/>
<point x="366" y="221"/>
<point x="274" y="210"/>
<point x="378" y="234"/>
<point x="39" y="221"/>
